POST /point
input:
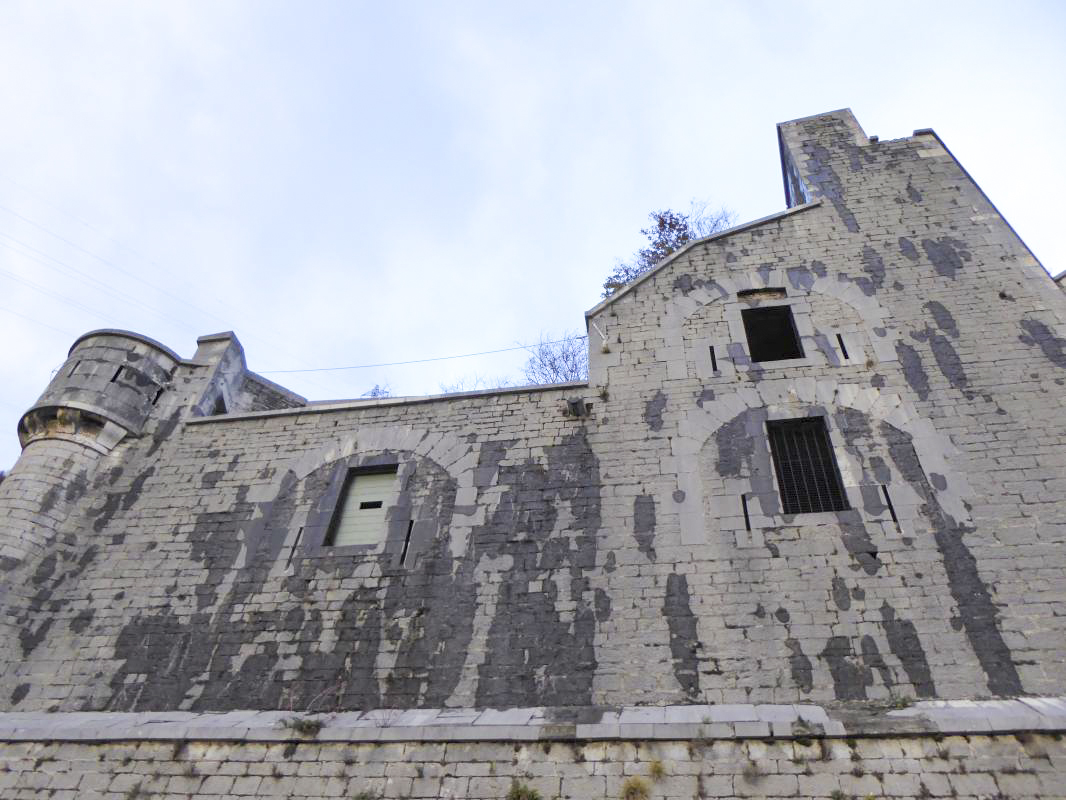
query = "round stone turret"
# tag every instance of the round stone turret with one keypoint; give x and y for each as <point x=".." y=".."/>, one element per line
<point x="104" y="391"/>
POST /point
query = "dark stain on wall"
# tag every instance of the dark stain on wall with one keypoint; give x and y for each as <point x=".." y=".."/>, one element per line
<point x="684" y="637"/>
<point x="824" y="179"/>
<point x="913" y="370"/>
<point x="874" y="266"/>
<point x="800" y="666"/>
<point x="1040" y="335"/>
<point x="735" y="447"/>
<point x="849" y="678"/>
<point x="943" y="318"/>
<point x="971" y="595"/>
<point x="533" y="656"/>
<point x="82" y="620"/>
<point x="857" y="541"/>
<point x="873" y="660"/>
<point x="840" y="593"/>
<point x="704" y="396"/>
<point x="947" y="359"/>
<point x="947" y="255"/>
<point x="653" y="411"/>
<point x="19" y="693"/>
<point x="903" y="639"/>
<point x="644" y="524"/>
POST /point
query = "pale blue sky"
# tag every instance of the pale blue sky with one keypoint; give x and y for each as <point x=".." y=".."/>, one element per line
<point x="349" y="183"/>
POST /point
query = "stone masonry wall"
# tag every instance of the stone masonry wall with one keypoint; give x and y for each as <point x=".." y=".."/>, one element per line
<point x="634" y="554"/>
<point x="680" y="753"/>
<point x="966" y="768"/>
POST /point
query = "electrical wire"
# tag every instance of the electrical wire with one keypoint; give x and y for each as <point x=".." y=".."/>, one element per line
<point x="416" y="360"/>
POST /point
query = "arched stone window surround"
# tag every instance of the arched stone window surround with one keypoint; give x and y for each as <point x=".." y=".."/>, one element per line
<point x="781" y="399"/>
<point x="881" y="336"/>
<point x="447" y="451"/>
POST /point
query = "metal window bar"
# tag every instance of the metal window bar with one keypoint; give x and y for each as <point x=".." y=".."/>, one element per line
<point x="806" y="469"/>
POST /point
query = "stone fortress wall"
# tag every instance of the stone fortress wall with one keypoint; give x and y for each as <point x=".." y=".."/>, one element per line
<point x="585" y="548"/>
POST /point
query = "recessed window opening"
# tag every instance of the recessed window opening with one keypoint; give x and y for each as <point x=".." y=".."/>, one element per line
<point x="744" y="505"/>
<point x="714" y="359"/>
<point x="771" y="333"/>
<point x="806" y="469"/>
<point x="769" y="293"/>
<point x="219" y="407"/>
<point x="843" y="349"/>
<point x="360" y="515"/>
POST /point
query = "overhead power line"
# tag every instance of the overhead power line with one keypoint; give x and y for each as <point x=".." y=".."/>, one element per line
<point x="415" y="360"/>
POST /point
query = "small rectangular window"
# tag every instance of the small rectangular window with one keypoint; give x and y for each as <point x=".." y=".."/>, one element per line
<point x="807" y="473"/>
<point x="360" y="515"/>
<point x="771" y="333"/>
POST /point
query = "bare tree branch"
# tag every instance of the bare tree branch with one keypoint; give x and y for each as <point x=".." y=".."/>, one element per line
<point x="558" y="360"/>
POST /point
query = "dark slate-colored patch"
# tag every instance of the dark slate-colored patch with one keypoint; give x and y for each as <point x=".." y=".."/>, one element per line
<point x="913" y="370"/>
<point x="29" y="637"/>
<point x="683" y="284"/>
<point x="947" y="255"/>
<point x="48" y="502"/>
<point x="82" y="620"/>
<point x="907" y="647"/>
<point x="19" y="693"/>
<point x="735" y="447"/>
<point x="874" y="266"/>
<point x="801" y="278"/>
<point x="840" y="593"/>
<point x="849" y="678"/>
<point x="943" y="318"/>
<point x="857" y="541"/>
<point x="684" y="639"/>
<point x="653" y="411"/>
<point x="800" y="666"/>
<point x="679" y="495"/>
<point x="877" y="381"/>
<point x="782" y="615"/>
<point x="823" y="178"/>
<point x="705" y="395"/>
<point x="644" y="524"/>
<point x="210" y="479"/>
<point x="163" y="431"/>
<point x="872" y="659"/>
<point x="533" y="655"/>
<point x="913" y="194"/>
<point x="45" y="569"/>
<point x="1040" y="335"/>
<point x="940" y="483"/>
<point x="947" y="358"/>
<point x="971" y="595"/>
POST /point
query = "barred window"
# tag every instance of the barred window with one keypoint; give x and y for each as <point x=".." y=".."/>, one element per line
<point x="771" y="333"/>
<point x="806" y="469"/>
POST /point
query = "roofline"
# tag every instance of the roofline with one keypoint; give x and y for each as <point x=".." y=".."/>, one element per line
<point x="931" y="132"/>
<point x="845" y="110"/>
<point x="137" y="337"/>
<point x="678" y="253"/>
<point x="327" y="406"/>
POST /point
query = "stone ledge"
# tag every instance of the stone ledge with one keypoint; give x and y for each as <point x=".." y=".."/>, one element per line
<point x="711" y="722"/>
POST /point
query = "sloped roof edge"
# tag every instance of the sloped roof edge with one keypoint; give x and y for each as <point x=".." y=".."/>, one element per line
<point x="678" y="253"/>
